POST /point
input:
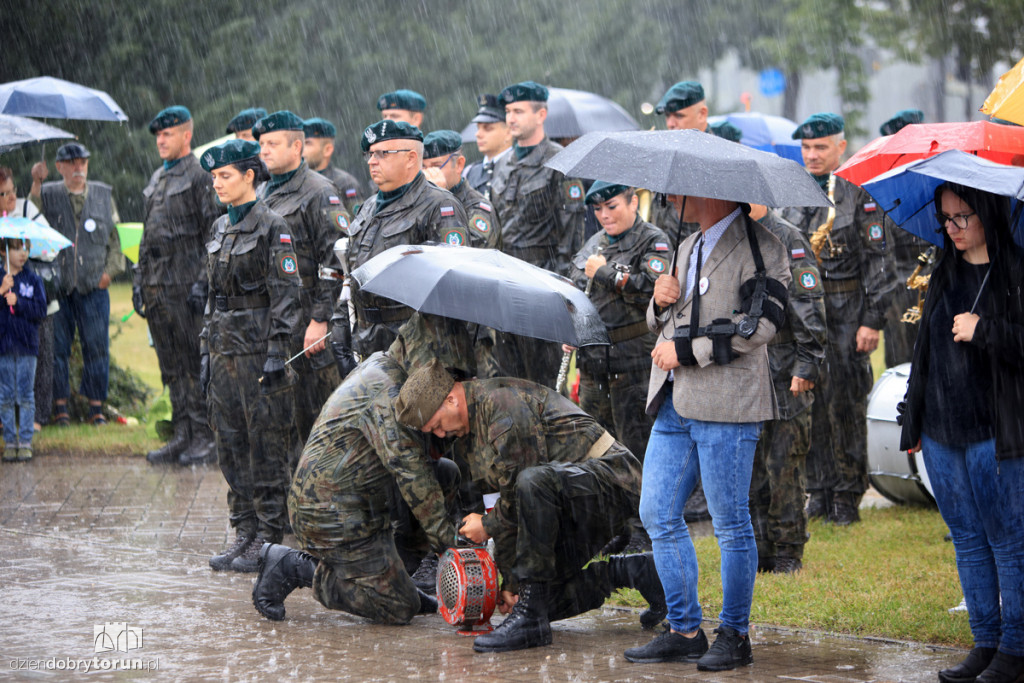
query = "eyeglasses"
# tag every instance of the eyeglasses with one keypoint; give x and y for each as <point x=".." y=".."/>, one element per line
<point x="5" y="195"/>
<point x="959" y="221"/>
<point x="382" y="154"/>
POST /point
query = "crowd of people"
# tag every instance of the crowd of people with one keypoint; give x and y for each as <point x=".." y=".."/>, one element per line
<point x="738" y="364"/>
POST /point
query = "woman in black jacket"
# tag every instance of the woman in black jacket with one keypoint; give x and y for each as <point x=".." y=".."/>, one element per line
<point x="964" y="409"/>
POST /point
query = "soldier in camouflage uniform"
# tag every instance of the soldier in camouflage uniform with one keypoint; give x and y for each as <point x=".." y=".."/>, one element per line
<point x="795" y="353"/>
<point x="541" y="213"/>
<point x="317" y="152"/>
<point x="859" y="277"/>
<point x="357" y="465"/>
<point x="169" y="287"/>
<point x="566" y="488"/>
<point x="251" y="315"/>
<point x="443" y="162"/>
<point x="406" y="210"/>
<point x="315" y="215"/>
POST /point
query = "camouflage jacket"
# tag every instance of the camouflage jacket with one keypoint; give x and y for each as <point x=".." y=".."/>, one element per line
<point x="621" y="291"/>
<point x="348" y="187"/>
<point x="484" y="228"/>
<point x="798" y="348"/>
<point x="541" y="211"/>
<point x="857" y="250"/>
<point x="180" y="210"/>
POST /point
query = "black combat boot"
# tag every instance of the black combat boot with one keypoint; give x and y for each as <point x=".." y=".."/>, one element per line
<point x="428" y="603"/>
<point x="425" y="576"/>
<point x="817" y="505"/>
<point x="638" y="571"/>
<point x="1004" y="668"/>
<point x="787" y="565"/>
<point x="169" y="453"/>
<point x="281" y="570"/>
<point x="844" y="510"/>
<point x="966" y="671"/>
<point x="202" y="449"/>
<point x="242" y="541"/>
<point x="525" y="627"/>
<point x="247" y="562"/>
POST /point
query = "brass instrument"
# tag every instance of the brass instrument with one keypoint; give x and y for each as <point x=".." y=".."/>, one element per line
<point x="920" y="283"/>
<point x="646" y="200"/>
<point x="821" y="235"/>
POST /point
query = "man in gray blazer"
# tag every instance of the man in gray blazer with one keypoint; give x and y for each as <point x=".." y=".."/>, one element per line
<point x="710" y="389"/>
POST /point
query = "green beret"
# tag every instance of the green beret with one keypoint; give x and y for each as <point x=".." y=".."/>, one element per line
<point x="680" y="96"/>
<point x="172" y="116"/>
<point x="71" y="151"/>
<point x="527" y="91"/>
<point x="904" y="117"/>
<point x="389" y="130"/>
<point x="724" y="129"/>
<point x="441" y="143"/>
<point x="490" y="111"/>
<point x="409" y="100"/>
<point x="229" y="152"/>
<point x="245" y="119"/>
<point x="422" y="394"/>
<point x="319" y="128"/>
<point x="279" y="120"/>
<point x="601" y="191"/>
<point x="819" y="126"/>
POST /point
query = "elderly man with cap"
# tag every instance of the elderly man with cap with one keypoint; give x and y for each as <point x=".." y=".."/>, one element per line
<point x="368" y="500"/>
<point x="310" y="205"/>
<point x="492" y="139"/>
<point x="319" y="148"/>
<point x="443" y="163"/>
<point x="851" y="244"/>
<point x="403" y="105"/>
<point x="169" y="287"/>
<point x="82" y="210"/>
<point x="566" y="488"/>
<point x="241" y="125"/>
<point x="407" y="209"/>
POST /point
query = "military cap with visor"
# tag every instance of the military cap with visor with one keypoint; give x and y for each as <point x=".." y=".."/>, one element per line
<point x="441" y="143"/>
<point x="389" y="130"/>
<point x="170" y="117"/>
<point x="490" y="111"/>
<point x="423" y="394"/>
<point x="227" y="153"/>
<point x="903" y="118"/>
<point x="317" y="127"/>
<point x="527" y="91"/>
<point x="245" y="119"/>
<point x="71" y="151"/>
<point x="819" y="125"/>
<point x="680" y="96"/>
<point x="410" y="100"/>
<point x="279" y="120"/>
<point x="602" y="191"/>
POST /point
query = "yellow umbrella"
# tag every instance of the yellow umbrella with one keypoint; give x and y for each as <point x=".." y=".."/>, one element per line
<point x="1006" y="101"/>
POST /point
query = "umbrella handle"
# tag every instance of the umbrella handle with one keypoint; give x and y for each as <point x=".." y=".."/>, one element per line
<point x="563" y="371"/>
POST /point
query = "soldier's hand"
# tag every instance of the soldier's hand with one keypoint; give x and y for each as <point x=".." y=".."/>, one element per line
<point x="473" y="528"/>
<point x="40" y="171"/>
<point x="666" y="291"/>
<point x="436" y="176"/>
<point x="664" y="355"/>
<point x="138" y="302"/>
<point x="568" y="349"/>
<point x="594" y="262"/>
<point x="506" y="601"/>
<point x="204" y="373"/>
<point x="315" y="340"/>
<point x="867" y="339"/>
<point x="963" y="326"/>
<point x="197" y="297"/>
<point x="799" y="385"/>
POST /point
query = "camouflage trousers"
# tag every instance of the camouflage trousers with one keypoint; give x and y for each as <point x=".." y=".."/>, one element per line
<point x="777" y="487"/>
<point x="175" y="329"/>
<point x="254" y="432"/>
<point x="618" y="400"/>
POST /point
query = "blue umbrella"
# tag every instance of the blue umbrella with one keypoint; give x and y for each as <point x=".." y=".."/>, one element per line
<point x="45" y="241"/>
<point x="53" y="98"/>
<point x="765" y="132"/>
<point x="907" y="193"/>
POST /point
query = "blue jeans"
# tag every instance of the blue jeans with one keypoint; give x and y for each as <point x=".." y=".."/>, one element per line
<point x="17" y="388"/>
<point x="679" y="452"/>
<point x="981" y="502"/>
<point x="90" y="314"/>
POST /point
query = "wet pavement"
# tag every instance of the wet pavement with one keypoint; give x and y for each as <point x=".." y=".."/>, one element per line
<point x="103" y="566"/>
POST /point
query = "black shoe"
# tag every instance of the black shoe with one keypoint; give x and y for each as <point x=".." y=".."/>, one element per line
<point x="639" y="572"/>
<point x="966" y="671"/>
<point x="169" y="453"/>
<point x="223" y="561"/>
<point x="202" y="449"/>
<point x="281" y="570"/>
<point x="729" y="651"/>
<point x="1004" y="668"/>
<point x="817" y="505"/>
<point x="428" y="603"/>
<point x="425" y="577"/>
<point x="670" y="647"/>
<point x="248" y="561"/>
<point x="765" y="565"/>
<point x="525" y="627"/>
<point x="616" y="545"/>
<point x="844" y="513"/>
<point x="787" y="565"/>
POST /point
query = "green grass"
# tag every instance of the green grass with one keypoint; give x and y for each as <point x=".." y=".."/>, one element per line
<point x="129" y="339"/>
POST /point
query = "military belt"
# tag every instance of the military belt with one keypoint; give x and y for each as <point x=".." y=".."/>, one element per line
<point x="601" y="446"/>
<point x="841" y="286"/>
<point x="378" y="316"/>
<point x="627" y="332"/>
<point x="783" y="336"/>
<point x="232" y="303"/>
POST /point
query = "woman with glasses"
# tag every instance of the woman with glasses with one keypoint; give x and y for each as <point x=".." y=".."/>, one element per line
<point x="963" y="409"/>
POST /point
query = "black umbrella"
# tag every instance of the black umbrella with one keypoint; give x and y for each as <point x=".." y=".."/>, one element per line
<point x="487" y="287"/>
<point x="572" y="113"/>
<point x="17" y="132"/>
<point x="689" y="162"/>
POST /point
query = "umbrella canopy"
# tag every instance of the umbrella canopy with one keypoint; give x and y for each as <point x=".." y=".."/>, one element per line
<point x="992" y="141"/>
<point x="907" y="193"/>
<point x="572" y="113"/>
<point x="689" y="162"/>
<point x="130" y="235"/>
<point x="45" y="241"/>
<point x="765" y="132"/>
<point x="1006" y="101"/>
<point x="17" y="132"/>
<point x="487" y="287"/>
<point x="53" y="98"/>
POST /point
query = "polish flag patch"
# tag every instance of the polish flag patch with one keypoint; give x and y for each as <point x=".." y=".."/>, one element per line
<point x="870" y="206"/>
<point x="286" y="239"/>
<point x="350" y="192"/>
<point x="333" y="200"/>
<point x="660" y="246"/>
<point x="447" y="210"/>
<point x="799" y="252"/>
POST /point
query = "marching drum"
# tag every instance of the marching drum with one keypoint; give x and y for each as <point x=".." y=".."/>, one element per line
<point x="897" y="475"/>
<point x="467" y="589"/>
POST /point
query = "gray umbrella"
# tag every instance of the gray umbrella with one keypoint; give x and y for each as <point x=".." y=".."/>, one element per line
<point x="487" y="287"/>
<point x="689" y="162"/>
<point x="53" y="98"/>
<point x="17" y="132"/>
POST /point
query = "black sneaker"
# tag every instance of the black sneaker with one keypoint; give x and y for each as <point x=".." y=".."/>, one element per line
<point x="729" y="651"/>
<point x="670" y="647"/>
